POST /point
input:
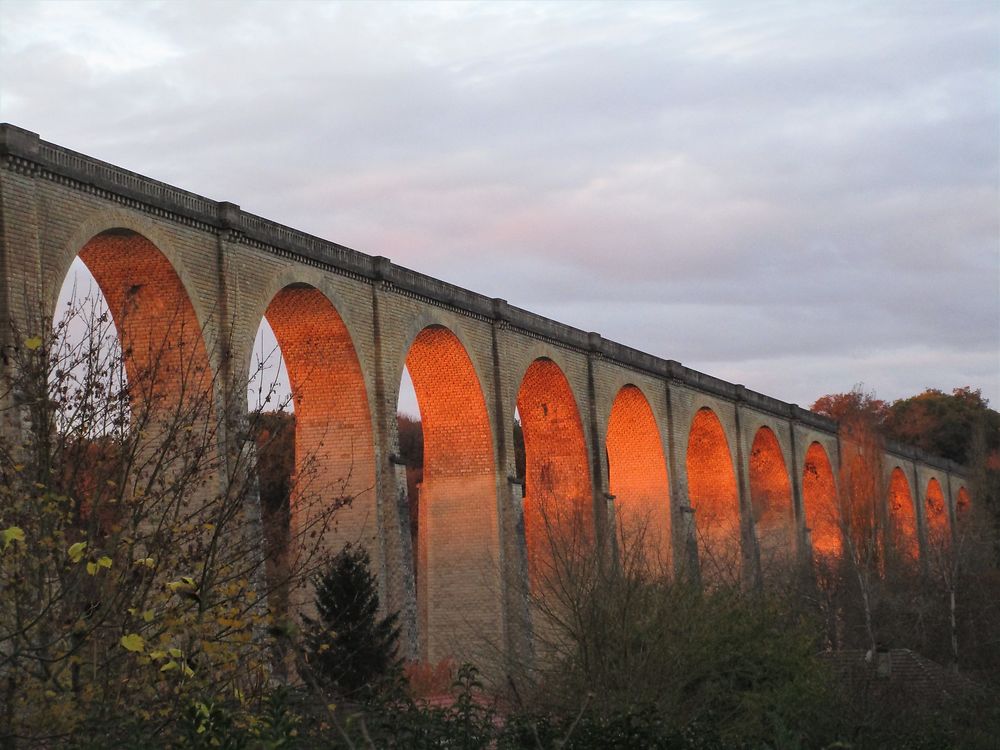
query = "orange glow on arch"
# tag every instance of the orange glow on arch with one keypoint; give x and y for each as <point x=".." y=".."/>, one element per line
<point x="963" y="503"/>
<point x="771" y="498"/>
<point x="334" y="448"/>
<point x="902" y="516"/>
<point x="637" y="478"/>
<point x="714" y="496"/>
<point x="937" y="515"/>
<point x="164" y="351"/>
<point x="458" y="528"/>
<point x="558" y="501"/>
<point x="819" y="495"/>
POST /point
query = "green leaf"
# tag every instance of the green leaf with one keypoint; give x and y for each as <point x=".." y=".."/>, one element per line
<point x="133" y="642"/>
<point x="12" y="534"/>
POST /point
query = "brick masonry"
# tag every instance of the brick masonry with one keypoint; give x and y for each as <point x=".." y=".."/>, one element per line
<point x="721" y="477"/>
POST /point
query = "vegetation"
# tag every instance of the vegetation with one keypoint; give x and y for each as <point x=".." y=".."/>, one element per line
<point x="138" y="609"/>
<point x="350" y="650"/>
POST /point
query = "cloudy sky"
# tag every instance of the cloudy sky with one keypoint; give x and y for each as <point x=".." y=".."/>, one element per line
<point x="794" y="196"/>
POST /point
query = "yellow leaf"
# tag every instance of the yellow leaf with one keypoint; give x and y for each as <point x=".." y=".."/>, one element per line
<point x="12" y="534"/>
<point x="188" y="672"/>
<point x="91" y="568"/>
<point x="133" y="642"/>
<point x="175" y="652"/>
<point x="169" y="666"/>
<point x="33" y="343"/>
<point x="75" y="551"/>
<point x="157" y="655"/>
<point x="148" y="615"/>
<point x="104" y="562"/>
<point x="146" y="561"/>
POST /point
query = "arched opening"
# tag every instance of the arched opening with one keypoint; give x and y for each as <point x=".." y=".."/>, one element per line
<point x="558" y="501"/>
<point x="331" y="494"/>
<point x="714" y="496"/>
<point x="458" y="594"/>
<point x="409" y="430"/>
<point x="937" y="516"/>
<point x="162" y="348"/>
<point x="819" y="496"/>
<point x="902" y="517"/>
<point x="771" y="499"/>
<point x="963" y="504"/>
<point x="129" y="385"/>
<point x="637" y="477"/>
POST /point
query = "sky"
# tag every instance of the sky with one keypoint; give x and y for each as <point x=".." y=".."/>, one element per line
<point x="796" y="196"/>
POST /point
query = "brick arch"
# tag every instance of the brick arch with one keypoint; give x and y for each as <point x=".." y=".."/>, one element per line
<point x="771" y="499"/>
<point x="714" y="496"/>
<point x="163" y="347"/>
<point x="822" y="507"/>
<point x="458" y="526"/>
<point x="963" y="504"/>
<point x="116" y="220"/>
<point x="558" y="499"/>
<point x="902" y="517"/>
<point x="637" y="476"/>
<point x="257" y="303"/>
<point x="523" y="358"/>
<point x="334" y="446"/>
<point x="936" y="514"/>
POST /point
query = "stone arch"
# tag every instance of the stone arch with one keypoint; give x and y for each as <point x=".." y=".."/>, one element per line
<point x="558" y="497"/>
<point x="333" y="493"/>
<point x="163" y="348"/>
<point x="936" y="515"/>
<point x="714" y="496"/>
<point x="637" y="477"/>
<point x="822" y="508"/>
<point x="902" y="517"/>
<point x="771" y="500"/>
<point x="458" y="526"/>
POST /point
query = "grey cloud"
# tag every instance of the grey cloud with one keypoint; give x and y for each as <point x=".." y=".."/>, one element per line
<point x="730" y="185"/>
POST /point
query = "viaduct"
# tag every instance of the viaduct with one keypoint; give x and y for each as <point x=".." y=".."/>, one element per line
<point x="717" y="473"/>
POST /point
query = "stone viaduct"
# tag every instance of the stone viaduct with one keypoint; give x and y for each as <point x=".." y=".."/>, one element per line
<point x="715" y="472"/>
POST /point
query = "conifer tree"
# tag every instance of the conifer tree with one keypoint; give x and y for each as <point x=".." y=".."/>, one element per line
<point x="350" y="650"/>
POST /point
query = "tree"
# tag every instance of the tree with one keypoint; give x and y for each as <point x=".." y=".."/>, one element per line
<point x="854" y="404"/>
<point x="944" y="425"/>
<point x="131" y="573"/>
<point x="349" y="649"/>
<point x="861" y="493"/>
<point x="950" y="614"/>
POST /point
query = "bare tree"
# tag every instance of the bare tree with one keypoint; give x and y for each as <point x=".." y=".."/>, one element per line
<point x="131" y="564"/>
